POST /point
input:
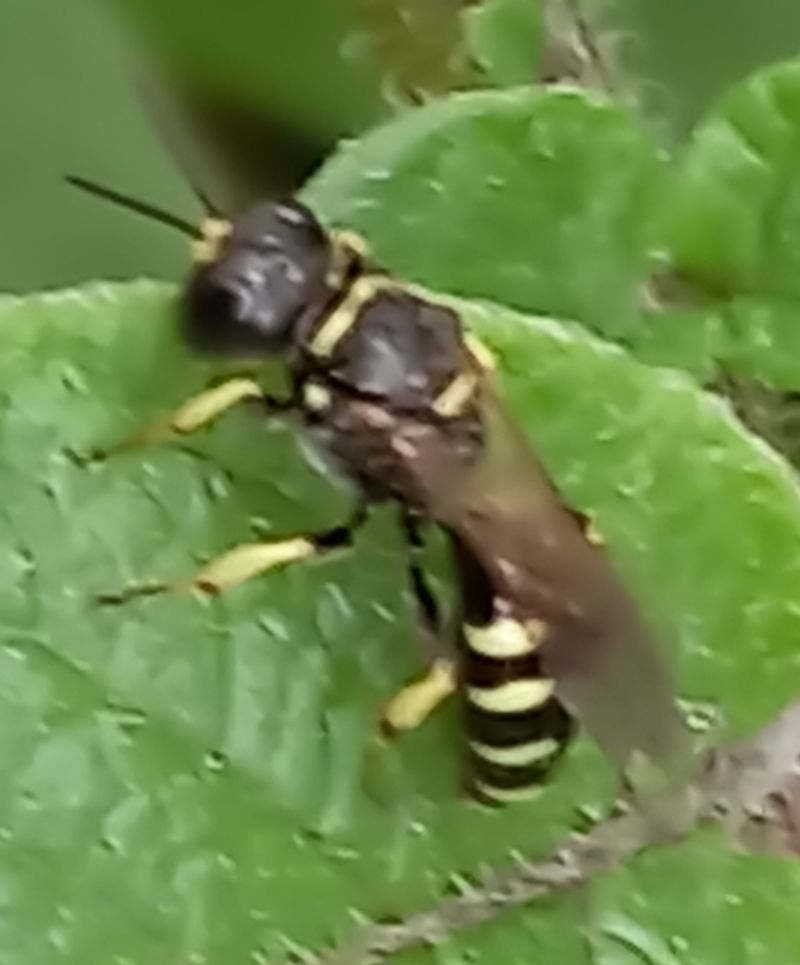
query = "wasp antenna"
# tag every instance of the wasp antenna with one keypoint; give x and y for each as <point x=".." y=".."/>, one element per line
<point x="175" y="138"/>
<point x="134" y="204"/>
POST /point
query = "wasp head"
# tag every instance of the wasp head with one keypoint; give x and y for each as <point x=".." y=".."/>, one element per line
<point x="254" y="279"/>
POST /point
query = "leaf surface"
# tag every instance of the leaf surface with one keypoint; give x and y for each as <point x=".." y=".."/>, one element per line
<point x="186" y="779"/>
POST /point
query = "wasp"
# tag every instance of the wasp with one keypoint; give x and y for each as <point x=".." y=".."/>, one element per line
<point x="401" y="400"/>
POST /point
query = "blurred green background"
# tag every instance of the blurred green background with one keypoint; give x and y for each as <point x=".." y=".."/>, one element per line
<point x="276" y="84"/>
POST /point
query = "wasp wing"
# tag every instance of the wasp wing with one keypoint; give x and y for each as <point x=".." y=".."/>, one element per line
<point x="503" y="507"/>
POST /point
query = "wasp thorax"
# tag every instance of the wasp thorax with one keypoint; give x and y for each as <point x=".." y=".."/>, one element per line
<point x="255" y="281"/>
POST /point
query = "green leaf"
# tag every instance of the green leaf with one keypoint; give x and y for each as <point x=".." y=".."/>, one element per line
<point x="764" y="340"/>
<point x="734" y="215"/>
<point x="742" y="908"/>
<point x="539" y="200"/>
<point x="185" y="779"/>
<point x="694" y="340"/>
<point x="732" y="223"/>
<point x="503" y="37"/>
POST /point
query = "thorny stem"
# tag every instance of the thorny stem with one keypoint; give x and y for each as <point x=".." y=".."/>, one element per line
<point x="730" y="789"/>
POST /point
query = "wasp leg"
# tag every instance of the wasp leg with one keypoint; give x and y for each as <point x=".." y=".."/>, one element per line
<point x="244" y="562"/>
<point x="412" y="705"/>
<point x="196" y="413"/>
<point x="427" y="610"/>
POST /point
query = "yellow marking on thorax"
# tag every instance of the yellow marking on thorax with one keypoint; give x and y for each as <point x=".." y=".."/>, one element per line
<point x="514" y="697"/>
<point x="517" y="755"/>
<point x="453" y="399"/>
<point x="505" y="638"/>
<point x="509" y="795"/>
<point x="316" y="397"/>
<point x="213" y="231"/>
<point x="412" y="705"/>
<point x="345" y="315"/>
<point x="346" y="247"/>
<point x="480" y="352"/>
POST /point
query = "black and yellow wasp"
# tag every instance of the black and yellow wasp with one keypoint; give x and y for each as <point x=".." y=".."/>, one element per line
<point x="401" y="401"/>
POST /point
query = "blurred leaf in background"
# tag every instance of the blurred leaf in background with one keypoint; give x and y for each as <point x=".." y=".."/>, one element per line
<point x="682" y="55"/>
<point x="504" y="38"/>
<point x="418" y="44"/>
<point x="732" y="242"/>
<point x="733" y="215"/>
<point x="67" y="106"/>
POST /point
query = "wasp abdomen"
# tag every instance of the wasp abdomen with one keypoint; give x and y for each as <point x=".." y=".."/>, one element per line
<point x="515" y="726"/>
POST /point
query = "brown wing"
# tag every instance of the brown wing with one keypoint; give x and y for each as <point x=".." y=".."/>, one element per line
<point x="504" y="507"/>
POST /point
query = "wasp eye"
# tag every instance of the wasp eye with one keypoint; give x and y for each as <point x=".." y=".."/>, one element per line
<point x="229" y="302"/>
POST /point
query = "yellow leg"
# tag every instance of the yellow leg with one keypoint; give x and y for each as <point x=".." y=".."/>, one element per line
<point x="415" y="703"/>
<point x="244" y="562"/>
<point x="222" y="573"/>
<point x="195" y="413"/>
<point x="408" y="709"/>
